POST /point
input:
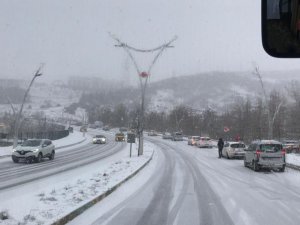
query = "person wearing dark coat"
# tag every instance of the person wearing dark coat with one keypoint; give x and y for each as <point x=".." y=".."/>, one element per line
<point x="220" y="146"/>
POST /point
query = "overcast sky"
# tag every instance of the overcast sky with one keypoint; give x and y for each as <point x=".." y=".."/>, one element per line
<point x="71" y="37"/>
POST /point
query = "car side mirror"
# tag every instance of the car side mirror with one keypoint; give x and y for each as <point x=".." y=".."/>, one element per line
<point x="280" y="22"/>
<point x="44" y="145"/>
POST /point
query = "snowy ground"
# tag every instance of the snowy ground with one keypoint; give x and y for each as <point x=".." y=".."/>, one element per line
<point x="71" y="139"/>
<point x="190" y="185"/>
<point x="293" y="159"/>
<point x="47" y="200"/>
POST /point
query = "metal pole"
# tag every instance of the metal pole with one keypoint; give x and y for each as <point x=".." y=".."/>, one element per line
<point x="130" y="149"/>
<point x="143" y="86"/>
<point x="17" y="123"/>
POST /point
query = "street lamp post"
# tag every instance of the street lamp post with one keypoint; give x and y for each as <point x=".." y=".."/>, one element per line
<point x="143" y="78"/>
<point x="17" y="122"/>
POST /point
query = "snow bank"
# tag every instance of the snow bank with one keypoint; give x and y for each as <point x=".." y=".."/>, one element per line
<point x="49" y="203"/>
<point x="293" y="159"/>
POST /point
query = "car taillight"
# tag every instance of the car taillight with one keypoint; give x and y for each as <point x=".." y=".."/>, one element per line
<point x="258" y="152"/>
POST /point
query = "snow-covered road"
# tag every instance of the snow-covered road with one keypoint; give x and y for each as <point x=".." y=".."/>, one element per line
<point x="12" y="174"/>
<point x="188" y="185"/>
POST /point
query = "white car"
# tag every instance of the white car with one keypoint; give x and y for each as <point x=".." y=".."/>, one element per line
<point x="204" y="142"/>
<point x="34" y="150"/>
<point x="167" y="135"/>
<point x="234" y="150"/>
<point x="99" y="139"/>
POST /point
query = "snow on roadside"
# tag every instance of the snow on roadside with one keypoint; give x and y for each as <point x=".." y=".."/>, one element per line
<point x="293" y="159"/>
<point x="49" y="203"/>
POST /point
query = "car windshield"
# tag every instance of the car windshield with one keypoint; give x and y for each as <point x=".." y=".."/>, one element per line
<point x="237" y="146"/>
<point x="270" y="147"/>
<point x="31" y="143"/>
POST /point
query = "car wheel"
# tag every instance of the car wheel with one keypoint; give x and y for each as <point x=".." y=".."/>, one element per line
<point x="51" y="157"/>
<point x="15" y="159"/>
<point x="282" y="169"/>
<point x="245" y="163"/>
<point x="39" y="158"/>
<point x="255" y="166"/>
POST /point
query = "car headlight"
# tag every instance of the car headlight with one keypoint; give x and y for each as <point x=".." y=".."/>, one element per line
<point x="36" y="150"/>
<point x="14" y="150"/>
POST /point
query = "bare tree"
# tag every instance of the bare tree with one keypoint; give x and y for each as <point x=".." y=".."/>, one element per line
<point x="270" y="115"/>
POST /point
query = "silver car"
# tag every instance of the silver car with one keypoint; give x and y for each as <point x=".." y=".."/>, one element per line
<point x="265" y="154"/>
<point x="177" y="136"/>
<point x="167" y="135"/>
<point x="233" y="150"/>
<point x="34" y="150"/>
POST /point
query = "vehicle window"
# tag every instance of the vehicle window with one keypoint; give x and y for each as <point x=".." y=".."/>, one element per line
<point x="270" y="147"/>
<point x="237" y="146"/>
<point x="252" y="147"/>
<point x="32" y="143"/>
<point x="226" y="145"/>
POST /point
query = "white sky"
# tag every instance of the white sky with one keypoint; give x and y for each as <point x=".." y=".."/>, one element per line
<point x="71" y="37"/>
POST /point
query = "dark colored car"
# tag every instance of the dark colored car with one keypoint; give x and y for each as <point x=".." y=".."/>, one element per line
<point x="120" y="137"/>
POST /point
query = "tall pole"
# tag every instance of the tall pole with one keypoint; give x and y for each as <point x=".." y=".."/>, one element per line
<point x="17" y="123"/>
<point x="143" y="78"/>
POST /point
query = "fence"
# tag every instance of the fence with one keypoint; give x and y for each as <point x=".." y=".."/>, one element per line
<point x="52" y="135"/>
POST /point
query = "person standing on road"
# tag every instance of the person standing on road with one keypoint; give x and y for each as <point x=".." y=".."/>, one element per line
<point x="220" y="146"/>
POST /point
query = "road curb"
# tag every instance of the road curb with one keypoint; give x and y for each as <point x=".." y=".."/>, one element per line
<point x="60" y="147"/>
<point x="291" y="166"/>
<point x="91" y="203"/>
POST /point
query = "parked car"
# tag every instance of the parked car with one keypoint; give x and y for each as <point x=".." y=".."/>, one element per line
<point x="152" y="133"/>
<point x="234" y="150"/>
<point x="204" y="142"/>
<point x="291" y="146"/>
<point x="265" y="154"/>
<point x="120" y="137"/>
<point x="192" y="140"/>
<point x="99" y="139"/>
<point x="167" y="135"/>
<point x="34" y="150"/>
<point x="177" y="136"/>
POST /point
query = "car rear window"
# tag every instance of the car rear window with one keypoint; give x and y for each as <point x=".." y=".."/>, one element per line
<point x="237" y="146"/>
<point x="270" y="147"/>
<point x="205" y="139"/>
<point x="196" y="138"/>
